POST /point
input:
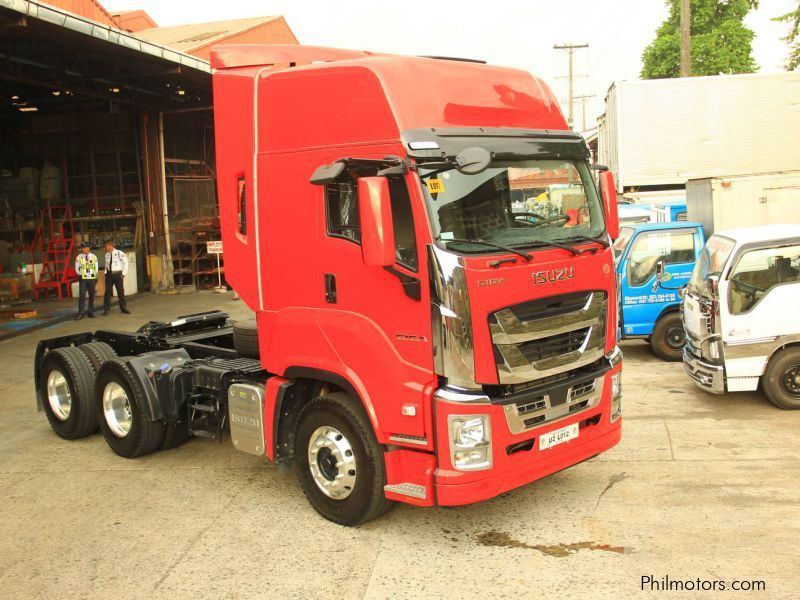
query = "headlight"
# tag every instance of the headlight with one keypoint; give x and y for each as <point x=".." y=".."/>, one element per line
<point x="616" y="396"/>
<point x="712" y="350"/>
<point x="470" y="442"/>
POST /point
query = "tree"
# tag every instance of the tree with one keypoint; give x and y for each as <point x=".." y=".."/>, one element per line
<point x="720" y="41"/>
<point x="793" y="37"/>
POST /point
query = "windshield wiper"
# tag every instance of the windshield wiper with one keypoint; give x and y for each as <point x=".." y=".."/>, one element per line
<point x="543" y="244"/>
<point x="585" y="238"/>
<point x="510" y="249"/>
<point x="440" y="166"/>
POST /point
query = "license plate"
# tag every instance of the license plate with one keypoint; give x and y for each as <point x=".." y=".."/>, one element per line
<point x="558" y="436"/>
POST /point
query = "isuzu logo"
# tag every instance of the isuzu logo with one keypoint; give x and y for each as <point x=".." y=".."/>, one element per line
<point x="553" y="275"/>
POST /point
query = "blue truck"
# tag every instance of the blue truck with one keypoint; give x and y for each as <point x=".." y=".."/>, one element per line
<point x="669" y="211"/>
<point x="650" y="309"/>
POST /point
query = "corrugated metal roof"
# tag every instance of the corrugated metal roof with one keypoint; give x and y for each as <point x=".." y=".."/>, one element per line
<point x="40" y="10"/>
<point x="186" y="38"/>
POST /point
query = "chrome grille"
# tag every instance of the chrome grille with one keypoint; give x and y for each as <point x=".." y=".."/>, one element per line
<point x="581" y="390"/>
<point x="548" y="336"/>
<point x="554" y="345"/>
<point x="547" y="408"/>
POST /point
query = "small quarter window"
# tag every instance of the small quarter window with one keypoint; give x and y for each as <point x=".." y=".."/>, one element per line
<point x="342" y="208"/>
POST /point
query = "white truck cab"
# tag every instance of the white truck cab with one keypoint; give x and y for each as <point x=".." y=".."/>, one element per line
<point x="741" y="312"/>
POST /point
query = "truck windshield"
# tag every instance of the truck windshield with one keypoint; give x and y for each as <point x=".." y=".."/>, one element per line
<point x="711" y="262"/>
<point x="625" y="234"/>
<point x="513" y="203"/>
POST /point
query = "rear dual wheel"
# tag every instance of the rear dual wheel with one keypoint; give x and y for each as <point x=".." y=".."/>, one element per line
<point x="121" y="405"/>
<point x="66" y="393"/>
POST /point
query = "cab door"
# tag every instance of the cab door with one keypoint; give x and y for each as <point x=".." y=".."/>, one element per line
<point x="758" y="301"/>
<point x="642" y="300"/>
<point x="378" y="320"/>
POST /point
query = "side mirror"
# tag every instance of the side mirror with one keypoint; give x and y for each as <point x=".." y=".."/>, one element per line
<point x="608" y="188"/>
<point x="325" y="174"/>
<point x="377" y="229"/>
<point x="660" y="266"/>
<point x="473" y="160"/>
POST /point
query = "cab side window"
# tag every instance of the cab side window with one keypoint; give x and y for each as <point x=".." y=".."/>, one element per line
<point x="758" y="271"/>
<point x="341" y="200"/>
<point x="673" y="247"/>
<point x="341" y="207"/>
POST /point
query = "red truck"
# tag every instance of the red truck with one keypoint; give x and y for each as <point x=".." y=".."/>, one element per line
<point x="426" y="248"/>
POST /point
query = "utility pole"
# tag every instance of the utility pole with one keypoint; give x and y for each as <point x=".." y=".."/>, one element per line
<point x="570" y="48"/>
<point x="583" y="108"/>
<point x="686" y="38"/>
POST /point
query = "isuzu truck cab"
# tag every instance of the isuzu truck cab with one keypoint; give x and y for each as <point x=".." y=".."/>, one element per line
<point x="741" y="314"/>
<point x="420" y="337"/>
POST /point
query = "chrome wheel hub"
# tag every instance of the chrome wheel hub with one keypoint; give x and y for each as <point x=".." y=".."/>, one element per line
<point x="58" y="395"/>
<point x="117" y="409"/>
<point x="332" y="462"/>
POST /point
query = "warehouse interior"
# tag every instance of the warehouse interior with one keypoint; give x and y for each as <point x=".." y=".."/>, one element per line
<point x="107" y="134"/>
<point x="80" y="125"/>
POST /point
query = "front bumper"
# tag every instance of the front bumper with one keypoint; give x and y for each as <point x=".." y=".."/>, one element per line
<point x="707" y="376"/>
<point x="512" y="467"/>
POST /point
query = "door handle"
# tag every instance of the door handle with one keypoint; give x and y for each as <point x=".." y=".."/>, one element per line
<point x="330" y="288"/>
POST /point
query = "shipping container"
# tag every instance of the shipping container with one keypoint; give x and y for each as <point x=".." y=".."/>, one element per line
<point x="721" y="203"/>
<point x="662" y="132"/>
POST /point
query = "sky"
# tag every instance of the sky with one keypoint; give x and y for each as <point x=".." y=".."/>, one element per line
<point x="517" y="33"/>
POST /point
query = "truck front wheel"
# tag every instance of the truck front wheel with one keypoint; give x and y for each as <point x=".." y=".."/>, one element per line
<point x="120" y="403"/>
<point x="668" y="338"/>
<point x="339" y="462"/>
<point x="781" y="380"/>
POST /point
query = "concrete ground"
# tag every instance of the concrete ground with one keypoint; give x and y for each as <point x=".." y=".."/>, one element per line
<point x="701" y="487"/>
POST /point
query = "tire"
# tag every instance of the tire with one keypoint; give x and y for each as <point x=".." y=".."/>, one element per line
<point x="245" y="338"/>
<point x="97" y="353"/>
<point x="340" y="426"/>
<point x="781" y="380"/>
<point x="668" y="338"/>
<point x="66" y="390"/>
<point x="120" y="402"/>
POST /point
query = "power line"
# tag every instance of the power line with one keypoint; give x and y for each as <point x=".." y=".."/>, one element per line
<point x="570" y="48"/>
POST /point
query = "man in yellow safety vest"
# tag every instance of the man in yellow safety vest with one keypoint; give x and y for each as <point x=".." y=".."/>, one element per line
<point x="86" y="268"/>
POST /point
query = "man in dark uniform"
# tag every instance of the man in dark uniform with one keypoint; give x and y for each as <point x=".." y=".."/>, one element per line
<point x="116" y="270"/>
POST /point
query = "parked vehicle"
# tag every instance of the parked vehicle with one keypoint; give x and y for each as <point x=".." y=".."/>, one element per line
<point x="633" y="214"/>
<point x="417" y="339"/>
<point x="721" y="203"/>
<point x="741" y="316"/>
<point x="650" y="305"/>
<point x="661" y="132"/>
<point x="673" y="211"/>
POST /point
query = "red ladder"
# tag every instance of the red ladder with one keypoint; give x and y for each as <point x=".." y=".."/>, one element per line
<point x="58" y="252"/>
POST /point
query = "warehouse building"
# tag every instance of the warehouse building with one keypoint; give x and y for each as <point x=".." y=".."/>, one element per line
<point x="107" y="131"/>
